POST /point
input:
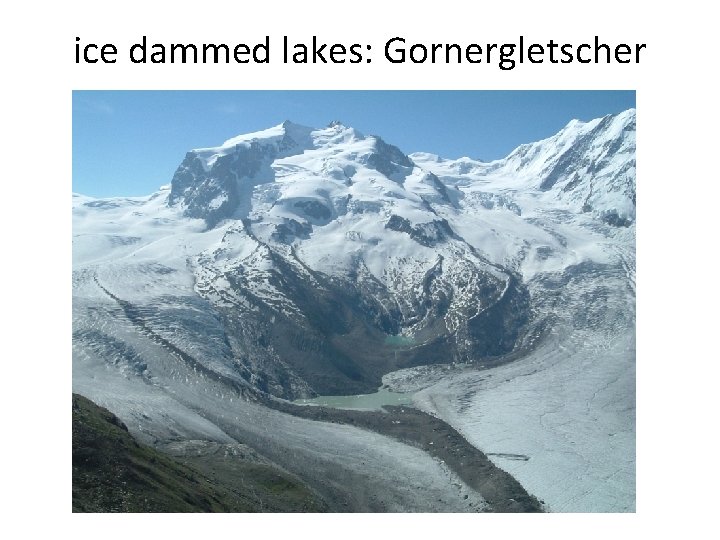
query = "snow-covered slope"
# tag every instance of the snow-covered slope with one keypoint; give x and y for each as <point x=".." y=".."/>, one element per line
<point x="561" y="418"/>
<point x="587" y="167"/>
<point x="297" y="261"/>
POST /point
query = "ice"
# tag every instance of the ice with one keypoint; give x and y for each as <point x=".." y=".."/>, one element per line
<point x="150" y="283"/>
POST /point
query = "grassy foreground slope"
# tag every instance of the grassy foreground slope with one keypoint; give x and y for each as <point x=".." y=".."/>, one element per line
<point x="111" y="472"/>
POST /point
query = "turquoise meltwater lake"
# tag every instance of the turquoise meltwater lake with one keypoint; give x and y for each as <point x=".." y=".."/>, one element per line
<point x="363" y="402"/>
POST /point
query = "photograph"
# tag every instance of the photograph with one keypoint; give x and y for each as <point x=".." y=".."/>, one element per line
<point x="354" y="301"/>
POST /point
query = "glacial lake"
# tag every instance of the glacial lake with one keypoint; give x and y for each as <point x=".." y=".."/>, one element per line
<point x="399" y="341"/>
<point x="366" y="402"/>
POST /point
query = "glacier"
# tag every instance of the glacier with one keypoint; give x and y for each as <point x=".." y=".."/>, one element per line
<point x="296" y="262"/>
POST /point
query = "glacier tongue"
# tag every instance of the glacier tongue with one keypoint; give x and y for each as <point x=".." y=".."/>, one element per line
<point x="298" y="261"/>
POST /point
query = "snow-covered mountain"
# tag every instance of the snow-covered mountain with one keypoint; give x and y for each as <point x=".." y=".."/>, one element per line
<point x="587" y="167"/>
<point x="298" y="261"/>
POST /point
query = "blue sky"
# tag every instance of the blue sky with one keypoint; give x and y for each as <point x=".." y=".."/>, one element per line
<point x="130" y="142"/>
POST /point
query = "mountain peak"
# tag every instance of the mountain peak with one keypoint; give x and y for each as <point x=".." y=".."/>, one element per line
<point x="289" y="125"/>
<point x="336" y="124"/>
<point x="265" y="136"/>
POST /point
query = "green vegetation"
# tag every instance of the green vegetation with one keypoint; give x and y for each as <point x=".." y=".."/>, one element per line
<point x="112" y="472"/>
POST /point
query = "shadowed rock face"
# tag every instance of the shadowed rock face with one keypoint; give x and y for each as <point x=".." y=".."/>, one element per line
<point x="426" y="234"/>
<point x="220" y="188"/>
<point x="215" y="194"/>
<point x="387" y="159"/>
